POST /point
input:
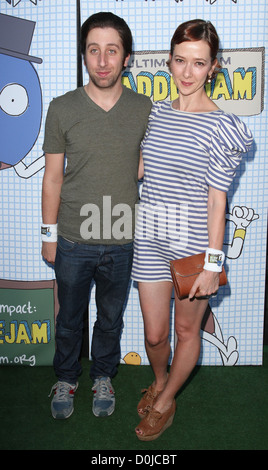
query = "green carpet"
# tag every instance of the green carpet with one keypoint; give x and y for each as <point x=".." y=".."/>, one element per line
<point x="220" y="408"/>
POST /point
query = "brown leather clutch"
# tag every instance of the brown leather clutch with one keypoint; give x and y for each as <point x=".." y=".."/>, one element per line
<point x="184" y="272"/>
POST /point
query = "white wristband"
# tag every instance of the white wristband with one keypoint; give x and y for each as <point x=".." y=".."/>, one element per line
<point x="214" y="260"/>
<point x="49" y="232"/>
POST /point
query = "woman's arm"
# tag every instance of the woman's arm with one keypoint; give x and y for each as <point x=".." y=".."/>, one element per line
<point x="207" y="282"/>
<point x="216" y="217"/>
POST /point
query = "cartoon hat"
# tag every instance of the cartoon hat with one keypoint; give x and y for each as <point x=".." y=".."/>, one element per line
<point x="16" y="36"/>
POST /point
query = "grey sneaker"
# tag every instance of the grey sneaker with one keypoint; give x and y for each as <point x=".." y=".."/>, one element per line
<point x="103" y="399"/>
<point x="62" y="403"/>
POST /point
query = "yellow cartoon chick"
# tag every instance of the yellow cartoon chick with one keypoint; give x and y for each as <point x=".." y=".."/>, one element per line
<point x="132" y="358"/>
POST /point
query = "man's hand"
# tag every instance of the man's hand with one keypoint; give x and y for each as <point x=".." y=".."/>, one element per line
<point x="49" y="251"/>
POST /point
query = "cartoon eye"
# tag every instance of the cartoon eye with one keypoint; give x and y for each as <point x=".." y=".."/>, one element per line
<point x="14" y="99"/>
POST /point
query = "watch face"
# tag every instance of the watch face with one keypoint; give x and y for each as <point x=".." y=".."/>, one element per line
<point x="215" y="259"/>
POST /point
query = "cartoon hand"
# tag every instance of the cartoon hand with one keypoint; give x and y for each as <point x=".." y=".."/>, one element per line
<point x="242" y="216"/>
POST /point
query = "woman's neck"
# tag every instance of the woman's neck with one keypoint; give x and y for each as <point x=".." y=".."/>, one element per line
<point x="194" y="104"/>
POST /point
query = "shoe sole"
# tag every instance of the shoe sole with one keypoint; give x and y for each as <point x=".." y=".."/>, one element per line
<point x="102" y="414"/>
<point x="155" y="436"/>
<point x="142" y="415"/>
<point x="61" y="416"/>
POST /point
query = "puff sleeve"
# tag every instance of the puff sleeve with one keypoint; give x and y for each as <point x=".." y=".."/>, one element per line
<point x="230" y="139"/>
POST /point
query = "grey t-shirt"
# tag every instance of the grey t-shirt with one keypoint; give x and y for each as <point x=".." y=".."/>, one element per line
<point x="99" y="191"/>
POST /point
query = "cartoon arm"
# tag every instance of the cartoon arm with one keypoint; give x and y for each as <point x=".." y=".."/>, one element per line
<point x="27" y="171"/>
<point x="242" y="218"/>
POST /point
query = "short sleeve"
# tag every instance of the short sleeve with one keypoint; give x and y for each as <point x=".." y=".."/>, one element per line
<point x="54" y="141"/>
<point x="230" y="139"/>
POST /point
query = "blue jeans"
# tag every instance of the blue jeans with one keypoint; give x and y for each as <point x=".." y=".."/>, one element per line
<point x="76" y="265"/>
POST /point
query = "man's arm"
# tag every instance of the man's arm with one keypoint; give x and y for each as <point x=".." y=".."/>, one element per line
<point x="51" y="189"/>
<point x="141" y="167"/>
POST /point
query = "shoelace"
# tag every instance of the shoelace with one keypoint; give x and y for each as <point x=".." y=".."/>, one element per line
<point x="102" y="388"/>
<point x="149" y="392"/>
<point x="62" y="388"/>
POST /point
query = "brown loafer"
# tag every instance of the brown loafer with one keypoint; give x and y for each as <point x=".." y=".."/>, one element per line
<point x="155" y="423"/>
<point x="147" y="401"/>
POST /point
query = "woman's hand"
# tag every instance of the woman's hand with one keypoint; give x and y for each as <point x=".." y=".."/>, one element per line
<point x="206" y="284"/>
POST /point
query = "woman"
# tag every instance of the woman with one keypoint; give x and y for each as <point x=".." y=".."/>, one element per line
<point x="190" y="153"/>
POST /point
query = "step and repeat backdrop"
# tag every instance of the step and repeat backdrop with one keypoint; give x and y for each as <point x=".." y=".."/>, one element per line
<point x="39" y="60"/>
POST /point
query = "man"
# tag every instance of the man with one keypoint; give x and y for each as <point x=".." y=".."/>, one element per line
<point x="98" y="128"/>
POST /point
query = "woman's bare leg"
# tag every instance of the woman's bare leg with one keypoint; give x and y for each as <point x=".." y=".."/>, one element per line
<point x="188" y="318"/>
<point x="155" y="304"/>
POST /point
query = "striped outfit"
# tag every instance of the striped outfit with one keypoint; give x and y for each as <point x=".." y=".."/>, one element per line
<point x="184" y="153"/>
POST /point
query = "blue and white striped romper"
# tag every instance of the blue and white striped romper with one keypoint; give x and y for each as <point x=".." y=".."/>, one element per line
<point x="184" y="153"/>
